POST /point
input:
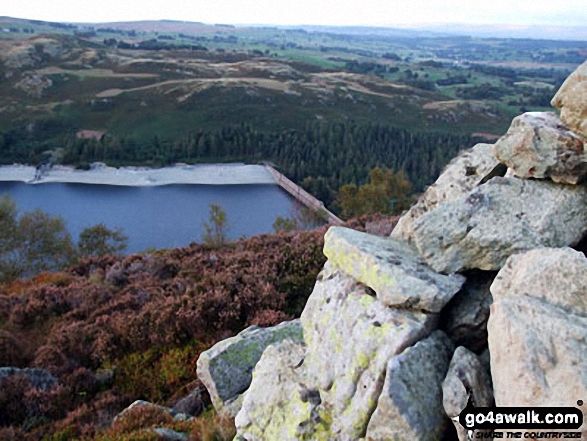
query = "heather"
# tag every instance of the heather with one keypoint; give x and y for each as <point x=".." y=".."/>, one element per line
<point x="112" y="330"/>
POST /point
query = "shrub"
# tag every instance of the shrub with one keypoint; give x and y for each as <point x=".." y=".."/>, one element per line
<point x="215" y="230"/>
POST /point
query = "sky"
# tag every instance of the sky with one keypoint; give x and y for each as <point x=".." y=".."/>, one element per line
<point x="307" y="12"/>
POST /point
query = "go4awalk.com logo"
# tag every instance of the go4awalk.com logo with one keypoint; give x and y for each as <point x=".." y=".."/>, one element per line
<point x="522" y="422"/>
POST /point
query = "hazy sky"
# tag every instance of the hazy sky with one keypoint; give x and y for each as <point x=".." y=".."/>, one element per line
<point x="294" y="12"/>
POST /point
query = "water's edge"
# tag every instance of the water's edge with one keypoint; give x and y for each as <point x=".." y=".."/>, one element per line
<point x="99" y="173"/>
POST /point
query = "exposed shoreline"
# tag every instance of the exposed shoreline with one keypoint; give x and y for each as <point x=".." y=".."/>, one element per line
<point x="99" y="173"/>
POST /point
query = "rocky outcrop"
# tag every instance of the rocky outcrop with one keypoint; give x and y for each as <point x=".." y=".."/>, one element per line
<point x="539" y="145"/>
<point x="351" y="336"/>
<point x="538" y="354"/>
<point x="374" y="365"/>
<point x="555" y="275"/>
<point x="410" y="405"/>
<point x="278" y="405"/>
<point x="461" y="176"/>
<point x="503" y="217"/>
<point x="226" y="368"/>
<point x="331" y="389"/>
<point x="393" y="269"/>
<point x="467" y="383"/>
<point x="572" y="100"/>
<point x="538" y="330"/>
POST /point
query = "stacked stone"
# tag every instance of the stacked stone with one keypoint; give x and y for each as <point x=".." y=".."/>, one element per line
<point x="475" y="299"/>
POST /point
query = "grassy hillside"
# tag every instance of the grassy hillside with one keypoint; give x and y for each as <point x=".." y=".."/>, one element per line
<point x="157" y="89"/>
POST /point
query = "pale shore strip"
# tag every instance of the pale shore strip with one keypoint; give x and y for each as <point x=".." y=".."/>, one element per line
<point x="205" y="174"/>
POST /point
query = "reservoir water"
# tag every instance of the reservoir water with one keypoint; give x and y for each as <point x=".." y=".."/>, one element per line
<point x="159" y="216"/>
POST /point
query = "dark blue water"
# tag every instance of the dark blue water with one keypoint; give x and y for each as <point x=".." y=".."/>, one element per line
<point x="155" y="217"/>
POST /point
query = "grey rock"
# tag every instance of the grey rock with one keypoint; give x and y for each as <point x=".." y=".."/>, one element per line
<point x="468" y="379"/>
<point x="392" y="268"/>
<point x="350" y="337"/>
<point x="170" y="435"/>
<point x="192" y="404"/>
<point x="464" y="318"/>
<point x="556" y="275"/>
<point x="500" y="218"/>
<point x="226" y="368"/>
<point x="410" y="405"/>
<point x="39" y="378"/>
<point x="539" y="145"/>
<point x="538" y="354"/>
<point x="276" y="406"/>
<point x="572" y="100"/>
<point x="116" y="274"/>
<point x="142" y="403"/>
<point x="329" y="389"/>
<point x="464" y="173"/>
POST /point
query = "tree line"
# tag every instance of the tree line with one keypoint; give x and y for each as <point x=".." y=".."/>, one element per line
<point x="322" y="158"/>
<point x="36" y="241"/>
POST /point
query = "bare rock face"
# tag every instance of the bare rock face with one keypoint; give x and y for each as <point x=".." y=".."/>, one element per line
<point x="539" y="145"/>
<point x="467" y="379"/>
<point x="277" y="405"/>
<point x="538" y="330"/>
<point x="538" y="354"/>
<point x="556" y="275"/>
<point x="410" y="406"/>
<point x="330" y="390"/>
<point x="351" y="336"/>
<point x="571" y="99"/>
<point x="464" y="173"/>
<point x="500" y="218"/>
<point x="392" y="268"/>
<point x="226" y="368"/>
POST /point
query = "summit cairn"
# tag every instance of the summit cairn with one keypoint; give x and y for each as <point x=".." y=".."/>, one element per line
<point x="477" y="298"/>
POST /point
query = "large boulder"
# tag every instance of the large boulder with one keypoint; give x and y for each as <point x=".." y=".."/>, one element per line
<point x="556" y="275"/>
<point x="572" y="100"/>
<point x="466" y="171"/>
<point x="410" y="406"/>
<point x="392" y="268"/>
<point x="329" y="390"/>
<point x="500" y="218"/>
<point x="538" y="330"/>
<point x="467" y="382"/>
<point x="464" y="318"/>
<point x="278" y="406"/>
<point x="539" y="145"/>
<point x="351" y="336"/>
<point x="538" y="354"/>
<point x="226" y="368"/>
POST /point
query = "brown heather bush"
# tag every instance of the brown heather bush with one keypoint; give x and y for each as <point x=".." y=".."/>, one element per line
<point x="213" y="428"/>
<point x="24" y="405"/>
<point x="141" y="417"/>
<point x="12" y="351"/>
<point x="144" y="319"/>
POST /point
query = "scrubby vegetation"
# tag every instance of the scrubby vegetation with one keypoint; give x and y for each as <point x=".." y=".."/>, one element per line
<point x="36" y="241"/>
<point x="113" y="330"/>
